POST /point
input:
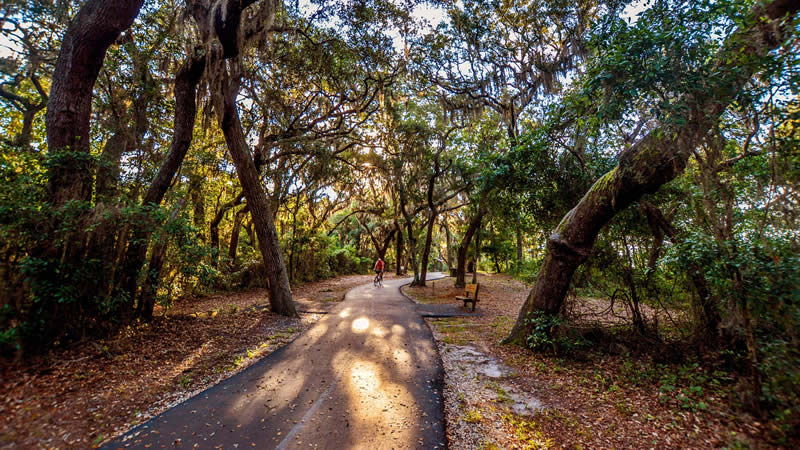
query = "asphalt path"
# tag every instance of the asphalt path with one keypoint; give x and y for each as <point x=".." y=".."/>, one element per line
<point x="367" y="375"/>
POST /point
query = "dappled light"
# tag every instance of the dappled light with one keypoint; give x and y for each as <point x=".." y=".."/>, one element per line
<point x="226" y="198"/>
<point x="360" y="325"/>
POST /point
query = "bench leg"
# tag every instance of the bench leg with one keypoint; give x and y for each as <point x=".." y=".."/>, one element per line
<point x="473" y="305"/>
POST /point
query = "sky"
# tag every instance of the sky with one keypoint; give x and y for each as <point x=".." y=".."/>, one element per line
<point x="425" y="12"/>
<point x="633" y="10"/>
<point x="5" y="44"/>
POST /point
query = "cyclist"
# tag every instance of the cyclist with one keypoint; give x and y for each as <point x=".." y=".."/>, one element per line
<point x="379" y="266"/>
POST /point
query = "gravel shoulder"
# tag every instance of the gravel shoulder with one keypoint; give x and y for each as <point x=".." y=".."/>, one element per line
<point x="503" y="396"/>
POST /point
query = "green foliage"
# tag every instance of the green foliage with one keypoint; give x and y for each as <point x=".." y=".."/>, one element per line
<point x="473" y="416"/>
<point x="545" y="181"/>
<point x="689" y="386"/>
<point x="528" y="432"/>
<point x="665" y="51"/>
<point x="763" y="276"/>
<point x="55" y="293"/>
<point x="322" y="257"/>
<point x="189" y="262"/>
<point x="527" y="270"/>
<point x="548" y="332"/>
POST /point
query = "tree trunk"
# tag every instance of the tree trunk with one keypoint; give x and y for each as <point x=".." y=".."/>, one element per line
<point x="477" y="252"/>
<point x="653" y="161"/>
<point x="412" y="252"/>
<point x="399" y="249"/>
<point x="96" y="26"/>
<point x="292" y="269"/>
<point x="412" y="241"/>
<point x="234" y="244"/>
<point x="280" y="298"/>
<point x="518" y="262"/>
<point x="147" y="302"/>
<point x="213" y="228"/>
<point x="151" y="281"/>
<point x="463" y="248"/>
<point x="448" y="255"/>
<point x="185" y="91"/>
<point x="426" y="252"/>
<point x="70" y="170"/>
<point x="251" y="234"/>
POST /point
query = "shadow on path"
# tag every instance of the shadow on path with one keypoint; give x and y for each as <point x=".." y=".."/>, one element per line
<point x="367" y="375"/>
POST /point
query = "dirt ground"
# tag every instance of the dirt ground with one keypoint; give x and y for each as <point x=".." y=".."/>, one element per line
<point x="504" y="396"/>
<point x="85" y="395"/>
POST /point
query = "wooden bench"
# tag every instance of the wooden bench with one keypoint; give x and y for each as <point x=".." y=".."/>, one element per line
<point x="470" y="295"/>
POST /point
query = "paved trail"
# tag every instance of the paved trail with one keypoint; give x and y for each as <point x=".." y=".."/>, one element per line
<point x="365" y="376"/>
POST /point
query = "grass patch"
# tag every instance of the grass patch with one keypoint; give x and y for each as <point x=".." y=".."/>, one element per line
<point x="527" y="432"/>
<point x="502" y="394"/>
<point x="473" y="416"/>
<point x="456" y="330"/>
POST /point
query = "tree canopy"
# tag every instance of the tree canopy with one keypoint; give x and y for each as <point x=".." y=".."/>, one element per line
<point x="641" y="153"/>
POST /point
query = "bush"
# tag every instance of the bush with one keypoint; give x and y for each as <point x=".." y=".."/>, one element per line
<point x="548" y="332"/>
<point x="759" y="276"/>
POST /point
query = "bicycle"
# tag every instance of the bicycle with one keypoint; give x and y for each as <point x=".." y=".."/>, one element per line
<point x="378" y="281"/>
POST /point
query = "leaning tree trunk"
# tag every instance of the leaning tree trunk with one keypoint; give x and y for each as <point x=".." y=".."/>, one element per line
<point x="96" y="26"/>
<point x="70" y="172"/>
<point x="185" y="91"/>
<point x="655" y="160"/>
<point x="426" y="252"/>
<point x="155" y="268"/>
<point x="412" y="251"/>
<point x="280" y="298"/>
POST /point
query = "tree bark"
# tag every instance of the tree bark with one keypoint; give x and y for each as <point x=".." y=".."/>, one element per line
<point x="653" y="161"/>
<point x="448" y="255"/>
<point x="280" y="298"/>
<point x="185" y="91"/>
<point x="477" y="251"/>
<point x="234" y="243"/>
<point x="96" y="26"/>
<point x="213" y="227"/>
<point x="463" y="248"/>
<point x="145" y="307"/>
<point x="399" y="249"/>
<point x="426" y="251"/>
<point x="70" y="172"/>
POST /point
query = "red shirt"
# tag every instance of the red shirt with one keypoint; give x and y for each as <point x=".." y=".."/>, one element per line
<point x="379" y="265"/>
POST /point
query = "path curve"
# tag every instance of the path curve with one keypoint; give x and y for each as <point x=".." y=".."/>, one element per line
<point x="367" y="375"/>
